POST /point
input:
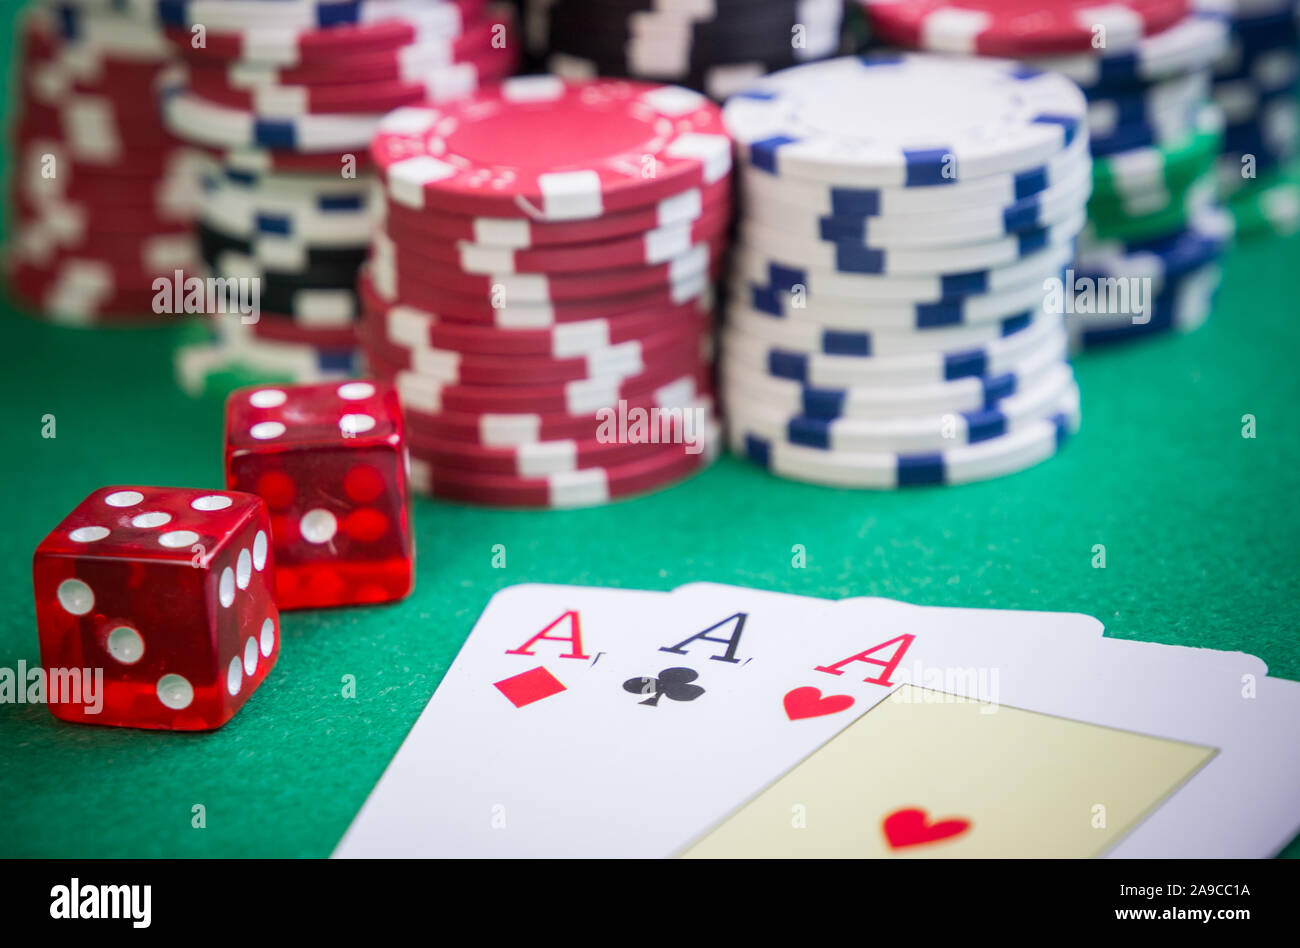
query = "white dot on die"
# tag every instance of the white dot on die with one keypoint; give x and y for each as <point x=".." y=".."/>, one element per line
<point x="268" y="637"/>
<point x="267" y="398"/>
<point x="356" y="424"/>
<point x="318" y="526"/>
<point x="211" y="502"/>
<point x="234" y="675"/>
<point x="226" y="588"/>
<point x="178" y="538"/>
<point x="88" y="534"/>
<point x="355" y="391"/>
<point x="250" y="656"/>
<point x="124" y="498"/>
<point x="243" y="569"/>
<point x="259" y="550"/>
<point x="125" y="645"/>
<point x="266" y="430"/>
<point x="174" y="691"/>
<point x="75" y="597"/>
<point x="152" y="519"/>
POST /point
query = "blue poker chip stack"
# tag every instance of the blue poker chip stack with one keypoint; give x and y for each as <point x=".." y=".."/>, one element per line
<point x="1256" y="83"/>
<point x="713" y="46"/>
<point x="895" y="311"/>
<point x="1155" y="229"/>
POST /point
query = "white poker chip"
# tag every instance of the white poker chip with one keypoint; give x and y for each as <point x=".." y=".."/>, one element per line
<point x="914" y="120"/>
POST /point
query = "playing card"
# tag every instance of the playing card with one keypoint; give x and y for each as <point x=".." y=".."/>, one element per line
<point x="493" y="749"/>
<point x="1154" y="724"/>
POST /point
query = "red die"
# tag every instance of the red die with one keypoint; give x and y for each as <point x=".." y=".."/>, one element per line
<point x="167" y="591"/>
<point x="330" y="462"/>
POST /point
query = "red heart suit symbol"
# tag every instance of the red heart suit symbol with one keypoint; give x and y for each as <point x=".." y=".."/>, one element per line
<point x="908" y="827"/>
<point x="807" y="702"/>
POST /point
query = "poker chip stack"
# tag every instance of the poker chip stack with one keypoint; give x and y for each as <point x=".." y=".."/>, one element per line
<point x="1255" y="84"/>
<point x="1145" y="68"/>
<point x="714" y="46"/>
<point x="902" y="220"/>
<point x="540" y="288"/>
<point x="101" y="195"/>
<point x="283" y="98"/>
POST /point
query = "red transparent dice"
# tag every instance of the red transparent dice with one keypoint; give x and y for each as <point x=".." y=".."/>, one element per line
<point x="330" y="462"/>
<point x="168" y="593"/>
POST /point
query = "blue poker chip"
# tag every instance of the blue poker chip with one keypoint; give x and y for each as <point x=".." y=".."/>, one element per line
<point x="967" y="393"/>
<point x="911" y="434"/>
<point x="1180" y="307"/>
<point x="1163" y="260"/>
<point x="824" y="370"/>
<point x="1261" y="138"/>
<point x="1020" y="447"/>
<point x="1147" y="131"/>
<point x="1193" y="43"/>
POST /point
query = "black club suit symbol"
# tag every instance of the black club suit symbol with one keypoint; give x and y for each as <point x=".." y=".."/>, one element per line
<point x="672" y="683"/>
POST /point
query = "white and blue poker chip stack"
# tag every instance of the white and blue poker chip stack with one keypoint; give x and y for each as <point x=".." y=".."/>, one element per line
<point x="903" y="221"/>
<point x="713" y="46"/>
<point x="1256" y="84"/>
<point x="283" y="98"/>
<point x="1154" y="135"/>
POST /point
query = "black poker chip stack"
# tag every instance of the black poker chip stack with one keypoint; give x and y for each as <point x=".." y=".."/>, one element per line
<point x="714" y="46"/>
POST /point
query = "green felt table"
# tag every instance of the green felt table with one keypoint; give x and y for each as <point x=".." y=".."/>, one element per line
<point x="1200" y="526"/>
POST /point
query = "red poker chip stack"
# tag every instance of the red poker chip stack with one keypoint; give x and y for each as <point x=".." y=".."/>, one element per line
<point x="282" y="102"/>
<point x="540" y="290"/>
<point x="101" y="195"/>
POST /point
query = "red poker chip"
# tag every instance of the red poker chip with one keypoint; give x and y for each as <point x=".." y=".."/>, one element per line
<point x="406" y="224"/>
<point x="316" y="46"/>
<point x="582" y="488"/>
<point x="131" y="250"/>
<point x="538" y="459"/>
<point x="569" y="398"/>
<point x="42" y="289"/>
<point x="546" y="148"/>
<point x="404" y="324"/>
<point x="409" y="275"/>
<point x="97" y="222"/>
<point x="150" y="198"/>
<point x="351" y="98"/>
<point x="647" y="249"/>
<point x="277" y="328"/>
<point x="123" y="270"/>
<point x="262" y="160"/>
<point x="673" y="348"/>
<point x="1020" y="28"/>
<point x="388" y="65"/>
<point x="496" y="429"/>
<point x="124" y="82"/>
<point x="322" y="100"/>
<point x="481" y="312"/>
<point x="36" y="37"/>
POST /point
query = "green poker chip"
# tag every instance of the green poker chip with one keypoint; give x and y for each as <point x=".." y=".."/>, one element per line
<point x="1270" y="205"/>
<point x="1130" y="175"/>
<point x="1170" y="217"/>
<point x="1164" y="199"/>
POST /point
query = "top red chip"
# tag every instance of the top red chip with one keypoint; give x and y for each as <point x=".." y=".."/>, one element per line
<point x="1020" y="28"/>
<point x="545" y="148"/>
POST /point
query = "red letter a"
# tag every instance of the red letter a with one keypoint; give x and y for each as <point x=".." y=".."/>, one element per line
<point x="574" y="638"/>
<point x="889" y="666"/>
